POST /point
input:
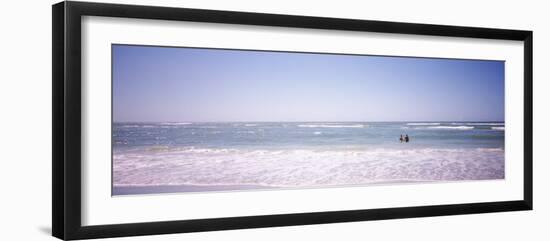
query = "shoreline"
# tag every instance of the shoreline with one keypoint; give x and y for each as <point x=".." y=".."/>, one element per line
<point x="196" y="189"/>
<point x="136" y="190"/>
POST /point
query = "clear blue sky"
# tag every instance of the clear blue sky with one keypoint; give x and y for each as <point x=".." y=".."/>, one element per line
<point x="186" y="84"/>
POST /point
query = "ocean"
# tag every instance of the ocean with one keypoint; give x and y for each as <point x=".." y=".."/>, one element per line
<point x="149" y="157"/>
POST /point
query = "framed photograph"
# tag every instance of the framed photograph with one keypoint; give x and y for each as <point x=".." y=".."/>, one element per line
<point x="169" y="120"/>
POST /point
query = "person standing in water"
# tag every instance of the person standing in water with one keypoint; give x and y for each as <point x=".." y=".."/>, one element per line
<point x="401" y="138"/>
<point x="406" y="138"/>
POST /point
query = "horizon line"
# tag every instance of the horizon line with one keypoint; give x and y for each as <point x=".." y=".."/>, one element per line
<point x="411" y="121"/>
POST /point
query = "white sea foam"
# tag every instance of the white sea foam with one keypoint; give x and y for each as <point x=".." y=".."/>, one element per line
<point x="176" y="123"/>
<point x="423" y="124"/>
<point x="250" y="125"/>
<point x="130" y="126"/>
<point x="317" y="133"/>
<point x="298" y="168"/>
<point x="245" y="132"/>
<point x="331" y="126"/>
<point x="478" y="123"/>
<point x="452" y="127"/>
<point x="498" y="128"/>
<point x="138" y="126"/>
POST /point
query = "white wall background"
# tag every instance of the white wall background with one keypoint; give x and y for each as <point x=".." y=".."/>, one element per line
<point x="25" y="123"/>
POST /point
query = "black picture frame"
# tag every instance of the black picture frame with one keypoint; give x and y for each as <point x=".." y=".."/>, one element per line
<point x="66" y="128"/>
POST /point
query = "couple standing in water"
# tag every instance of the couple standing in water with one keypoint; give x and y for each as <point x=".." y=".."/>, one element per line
<point x="405" y="139"/>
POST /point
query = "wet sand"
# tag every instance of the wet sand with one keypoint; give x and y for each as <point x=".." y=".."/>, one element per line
<point x="134" y="190"/>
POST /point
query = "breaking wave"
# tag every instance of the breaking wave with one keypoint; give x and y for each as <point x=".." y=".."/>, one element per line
<point x="176" y="123"/>
<point x="452" y="127"/>
<point x="331" y="126"/>
<point x="478" y="123"/>
<point x="423" y="124"/>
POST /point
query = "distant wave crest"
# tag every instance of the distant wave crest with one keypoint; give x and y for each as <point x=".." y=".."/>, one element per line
<point x="423" y="124"/>
<point x="478" y="123"/>
<point x="452" y="127"/>
<point x="176" y="123"/>
<point x="332" y="126"/>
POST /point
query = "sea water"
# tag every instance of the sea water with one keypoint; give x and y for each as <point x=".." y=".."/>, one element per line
<point x="304" y="154"/>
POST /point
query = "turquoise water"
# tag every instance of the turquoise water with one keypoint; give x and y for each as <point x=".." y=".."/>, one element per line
<point x="308" y="135"/>
<point x="302" y="154"/>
